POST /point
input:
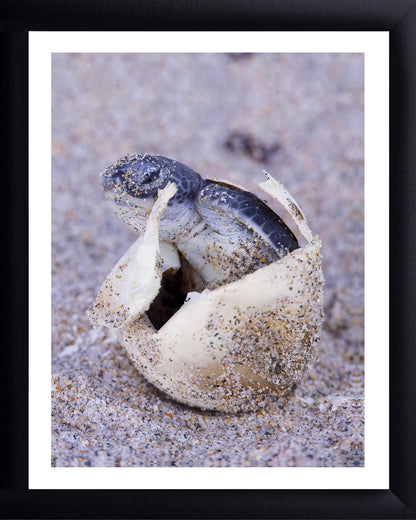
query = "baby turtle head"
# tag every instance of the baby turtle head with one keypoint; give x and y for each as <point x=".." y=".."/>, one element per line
<point x="142" y="175"/>
<point x="132" y="183"/>
<point x="138" y="175"/>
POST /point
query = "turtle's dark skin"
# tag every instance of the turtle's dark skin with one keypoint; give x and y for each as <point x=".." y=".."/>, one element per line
<point x="216" y="226"/>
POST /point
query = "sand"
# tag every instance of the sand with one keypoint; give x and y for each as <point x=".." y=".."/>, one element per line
<point x="300" y="117"/>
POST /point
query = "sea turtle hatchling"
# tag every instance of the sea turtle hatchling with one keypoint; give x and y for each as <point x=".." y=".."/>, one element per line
<point x="217" y="303"/>
<point x="223" y="231"/>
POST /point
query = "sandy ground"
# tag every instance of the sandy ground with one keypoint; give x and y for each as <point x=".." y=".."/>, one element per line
<point x="300" y="116"/>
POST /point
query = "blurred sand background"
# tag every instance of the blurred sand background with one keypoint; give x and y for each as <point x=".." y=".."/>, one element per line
<point x="300" y="117"/>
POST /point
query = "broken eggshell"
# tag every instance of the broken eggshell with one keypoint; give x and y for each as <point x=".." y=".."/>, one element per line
<point x="235" y="348"/>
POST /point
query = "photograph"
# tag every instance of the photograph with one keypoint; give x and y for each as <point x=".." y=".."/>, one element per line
<point x="207" y="259"/>
<point x="209" y="216"/>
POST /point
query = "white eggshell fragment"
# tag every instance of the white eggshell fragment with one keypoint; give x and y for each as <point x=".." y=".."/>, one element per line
<point x="235" y="348"/>
<point x="135" y="280"/>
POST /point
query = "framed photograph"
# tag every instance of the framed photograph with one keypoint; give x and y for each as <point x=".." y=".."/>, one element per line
<point x="294" y="399"/>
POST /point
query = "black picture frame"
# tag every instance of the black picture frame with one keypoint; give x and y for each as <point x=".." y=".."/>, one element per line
<point x="398" y="17"/>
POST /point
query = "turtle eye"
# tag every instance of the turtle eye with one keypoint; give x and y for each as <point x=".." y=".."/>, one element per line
<point x="149" y="173"/>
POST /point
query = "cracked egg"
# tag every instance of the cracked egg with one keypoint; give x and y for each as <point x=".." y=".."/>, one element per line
<point x="216" y="302"/>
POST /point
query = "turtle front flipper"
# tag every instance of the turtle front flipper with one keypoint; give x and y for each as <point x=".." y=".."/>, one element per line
<point x="225" y="208"/>
<point x="240" y="234"/>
